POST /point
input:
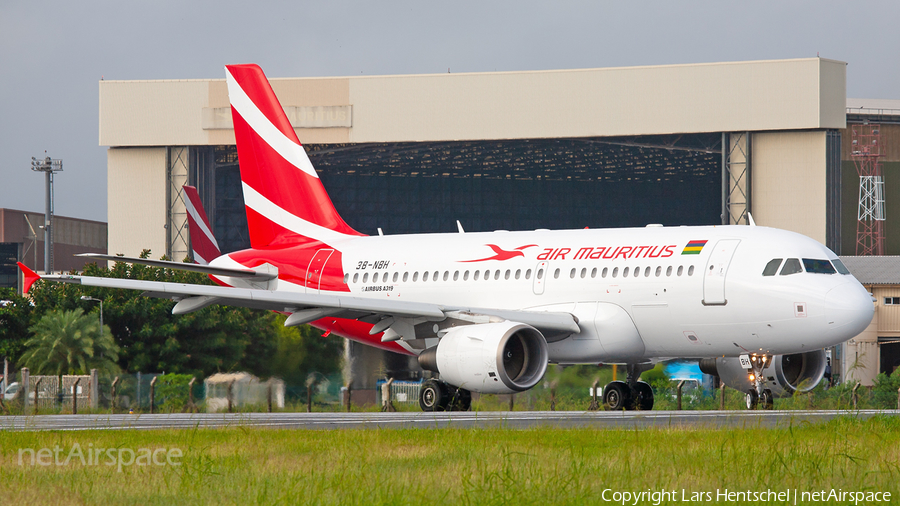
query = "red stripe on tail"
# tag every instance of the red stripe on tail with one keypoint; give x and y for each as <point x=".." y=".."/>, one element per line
<point x="203" y="243"/>
<point x="289" y="187"/>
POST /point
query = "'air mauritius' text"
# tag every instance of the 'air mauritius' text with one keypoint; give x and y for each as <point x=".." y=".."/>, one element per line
<point x="608" y="253"/>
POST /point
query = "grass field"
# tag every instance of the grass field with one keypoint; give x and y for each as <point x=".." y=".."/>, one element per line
<point x="495" y="466"/>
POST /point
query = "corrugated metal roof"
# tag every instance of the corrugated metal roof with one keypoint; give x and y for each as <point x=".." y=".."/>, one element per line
<point x="872" y="105"/>
<point x="874" y="270"/>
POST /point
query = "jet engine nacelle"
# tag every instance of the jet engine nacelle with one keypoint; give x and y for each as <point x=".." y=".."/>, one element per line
<point x="799" y="372"/>
<point x="491" y="358"/>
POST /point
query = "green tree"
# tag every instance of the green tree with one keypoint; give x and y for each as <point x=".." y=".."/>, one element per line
<point x="172" y="391"/>
<point x="68" y="342"/>
<point x="152" y="339"/>
<point x="16" y="317"/>
<point x="302" y="350"/>
<point x="213" y="339"/>
<point x="885" y="389"/>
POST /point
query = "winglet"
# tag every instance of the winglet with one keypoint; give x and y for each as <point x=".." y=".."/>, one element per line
<point x="30" y="277"/>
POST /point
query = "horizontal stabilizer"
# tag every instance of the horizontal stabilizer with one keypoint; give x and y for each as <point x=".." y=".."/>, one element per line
<point x="29" y="277"/>
<point x="206" y="269"/>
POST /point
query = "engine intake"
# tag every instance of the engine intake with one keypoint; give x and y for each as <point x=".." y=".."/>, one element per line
<point x="499" y="358"/>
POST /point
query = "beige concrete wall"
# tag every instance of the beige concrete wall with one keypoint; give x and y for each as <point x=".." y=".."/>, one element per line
<point x="833" y="93"/>
<point x="861" y="359"/>
<point x="152" y="113"/>
<point x="739" y="96"/>
<point x="861" y="355"/>
<point x="888" y="315"/>
<point x="788" y="181"/>
<point x="766" y="95"/>
<point x="136" y="198"/>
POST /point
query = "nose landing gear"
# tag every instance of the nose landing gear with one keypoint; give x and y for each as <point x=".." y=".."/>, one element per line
<point x="758" y="396"/>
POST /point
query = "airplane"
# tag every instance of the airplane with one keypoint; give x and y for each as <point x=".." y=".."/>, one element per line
<point x="488" y="311"/>
<point x="204" y="246"/>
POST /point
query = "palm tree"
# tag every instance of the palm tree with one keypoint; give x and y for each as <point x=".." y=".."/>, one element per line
<point x="69" y="342"/>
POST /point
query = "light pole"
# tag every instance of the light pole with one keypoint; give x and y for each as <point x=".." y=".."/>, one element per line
<point x="48" y="166"/>
<point x="85" y="297"/>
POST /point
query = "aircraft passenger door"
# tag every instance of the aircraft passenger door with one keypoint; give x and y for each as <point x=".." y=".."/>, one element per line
<point x="316" y="268"/>
<point x="540" y="277"/>
<point x="716" y="269"/>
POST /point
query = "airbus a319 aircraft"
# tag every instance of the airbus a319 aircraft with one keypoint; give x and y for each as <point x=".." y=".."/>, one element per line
<point x="488" y="311"/>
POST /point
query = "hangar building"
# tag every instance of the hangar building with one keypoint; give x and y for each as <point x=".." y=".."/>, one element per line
<point x="609" y="147"/>
<point x="507" y="150"/>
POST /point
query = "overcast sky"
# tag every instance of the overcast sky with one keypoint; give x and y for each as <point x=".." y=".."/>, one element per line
<point x="53" y="53"/>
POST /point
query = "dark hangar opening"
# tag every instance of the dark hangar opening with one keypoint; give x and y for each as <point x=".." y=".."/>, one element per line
<point x="415" y="187"/>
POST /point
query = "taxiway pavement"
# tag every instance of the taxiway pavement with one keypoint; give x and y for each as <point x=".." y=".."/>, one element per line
<point x="418" y="420"/>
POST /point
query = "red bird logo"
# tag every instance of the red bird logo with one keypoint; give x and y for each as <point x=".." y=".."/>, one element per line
<point x="502" y="254"/>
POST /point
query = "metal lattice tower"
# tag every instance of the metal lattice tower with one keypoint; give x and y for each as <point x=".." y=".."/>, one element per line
<point x="866" y="153"/>
<point x="736" y="178"/>
<point x="177" y="241"/>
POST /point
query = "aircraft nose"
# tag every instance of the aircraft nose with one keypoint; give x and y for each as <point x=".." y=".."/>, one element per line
<point x="849" y="311"/>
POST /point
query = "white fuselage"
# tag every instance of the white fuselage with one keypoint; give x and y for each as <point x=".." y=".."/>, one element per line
<point x="638" y="294"/>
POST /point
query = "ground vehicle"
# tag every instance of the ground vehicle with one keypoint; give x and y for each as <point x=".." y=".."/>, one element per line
<point x="11" y="391"/>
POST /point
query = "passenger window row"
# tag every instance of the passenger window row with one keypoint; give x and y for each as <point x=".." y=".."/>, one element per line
<point x="636" y="272"/>
<point x="487" y="274"/>
<point x="382" y="277"/>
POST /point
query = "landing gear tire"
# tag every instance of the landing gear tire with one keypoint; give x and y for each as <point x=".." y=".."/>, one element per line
<point x="617" y="396"/>
<point x="752" y="398"/>
<point x="767" y="399"/>
<point x="433" y="396"/>
<point x="642" y="396"/>
<point x="460" y="399"/>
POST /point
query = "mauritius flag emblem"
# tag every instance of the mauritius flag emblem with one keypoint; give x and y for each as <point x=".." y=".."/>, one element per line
<point x="693" y="248"/>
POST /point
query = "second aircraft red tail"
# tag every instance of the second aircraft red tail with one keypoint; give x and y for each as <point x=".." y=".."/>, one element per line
<point x="203" y="243"/>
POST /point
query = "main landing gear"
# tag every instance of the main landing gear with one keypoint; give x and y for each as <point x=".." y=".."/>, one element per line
<point x="436" y="395"/>
<point x="630" y="394"/>
<point x="758" y="396"/>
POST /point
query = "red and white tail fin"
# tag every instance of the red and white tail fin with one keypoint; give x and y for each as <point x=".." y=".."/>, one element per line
<point x="286" y="203"/>
<point x="203" y="243"/>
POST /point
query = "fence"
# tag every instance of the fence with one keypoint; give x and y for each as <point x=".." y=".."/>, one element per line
<point x="49" y="394"/>
<point x="47" y="390"/>
<point x="224" y="392"/>
<point x="406" y="392"/>
<point x="174" y="392"/>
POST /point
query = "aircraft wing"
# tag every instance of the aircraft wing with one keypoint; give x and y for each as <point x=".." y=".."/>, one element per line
<point x="307" y="307"/>
<point x="183" y="266"/>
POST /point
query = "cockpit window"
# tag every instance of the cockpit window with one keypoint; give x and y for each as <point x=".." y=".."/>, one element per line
<point x="791" y="266"/>
<point x="841" y="268"/>
<point x="772" y="267"/>
<point x="816" y="266"/>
